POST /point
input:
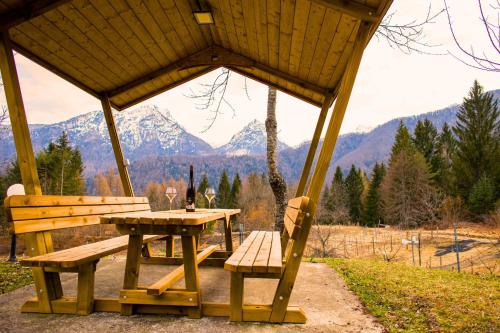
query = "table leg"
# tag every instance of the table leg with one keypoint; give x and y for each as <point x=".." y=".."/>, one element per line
<point x="170" y="243"/>
<point x="228" y="232"/>
<point x="132" y="269"/>
<point x="191" y="275"/>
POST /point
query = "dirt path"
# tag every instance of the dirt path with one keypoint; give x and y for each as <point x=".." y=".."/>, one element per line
<point x="329" y="305"/>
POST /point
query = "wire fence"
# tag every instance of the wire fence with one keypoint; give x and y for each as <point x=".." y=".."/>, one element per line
<point x="449" y="249"/>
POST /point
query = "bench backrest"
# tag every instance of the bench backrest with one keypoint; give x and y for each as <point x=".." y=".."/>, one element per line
<point x="37" y="213"/>
<point x="297" y="223"/>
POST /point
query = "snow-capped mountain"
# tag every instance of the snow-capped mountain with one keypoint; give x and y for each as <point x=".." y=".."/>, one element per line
<point x="143" y="132"/>
<point x="251" y="140"/>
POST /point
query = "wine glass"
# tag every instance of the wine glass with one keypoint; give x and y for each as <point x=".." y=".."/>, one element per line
<point x="171" y="193"/>
<point x="210" y="195"/>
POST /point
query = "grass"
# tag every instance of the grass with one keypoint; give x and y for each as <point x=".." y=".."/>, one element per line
<point x="409" y="299"/>
<point x="13" y="276"/>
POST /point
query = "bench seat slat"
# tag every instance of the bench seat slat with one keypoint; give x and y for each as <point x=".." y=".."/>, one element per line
<point x="259" y="253"/>
<point x="83" y="254"/>
<point x="57" y="200"/>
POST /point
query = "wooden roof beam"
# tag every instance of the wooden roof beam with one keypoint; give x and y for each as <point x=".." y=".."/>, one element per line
<point x="25" y="12"/>
<point x="351" y="8"/>
<point x="219" y="57"/>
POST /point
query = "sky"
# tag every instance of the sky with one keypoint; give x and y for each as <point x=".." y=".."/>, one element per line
<point x="389" y="84"/>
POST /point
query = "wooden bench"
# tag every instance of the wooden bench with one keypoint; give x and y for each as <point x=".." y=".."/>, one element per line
<point x="36" y="216"/>
<point x="264" y="254"/>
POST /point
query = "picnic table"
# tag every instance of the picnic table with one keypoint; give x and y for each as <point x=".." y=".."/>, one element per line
<point x="187" y="225"/>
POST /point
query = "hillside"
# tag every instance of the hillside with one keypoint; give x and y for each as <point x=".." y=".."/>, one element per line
<point x="159" y="147"/>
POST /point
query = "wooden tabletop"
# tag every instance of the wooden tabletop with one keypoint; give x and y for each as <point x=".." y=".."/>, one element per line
<point x="171" y="217"/>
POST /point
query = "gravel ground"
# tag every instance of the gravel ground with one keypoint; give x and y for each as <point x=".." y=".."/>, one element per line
<point x="329" y="305"/>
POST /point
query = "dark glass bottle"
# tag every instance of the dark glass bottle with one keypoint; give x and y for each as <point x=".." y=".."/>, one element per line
<point x="191" y="192"/>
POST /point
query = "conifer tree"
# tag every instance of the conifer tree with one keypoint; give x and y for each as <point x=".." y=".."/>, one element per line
<point x="402" y="142"/>
<point x="478" y="142"/>
<point x="235" y="191"/>
<point x="354" y="189"/>
<point x="223" y="198"/>
<point x="372" y="209"/>
<point x="201" y="200"/>
<point x="425" y="140"/>
<point x="446" y="145"/>
<point x="482" y="196"/>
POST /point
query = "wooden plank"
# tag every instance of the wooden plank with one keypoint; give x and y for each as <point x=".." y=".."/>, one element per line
<point x="314" y="23"/>
<point x="191" y="275"/>
<point x="19" y="123"/>
<point x="228" y="232"/>
<point x="117" y="148"/>
<point x="232" y="263"/>
<point x="27" y="11"/>
<point x="82" y="254"/>
<point x="32" y="213"/>
<point x="170" y="279"/>
<point x="352" y="8"/>
<point x="169" y="297"/>
<point x="106" y="305"/>
<point x="275" y="258"/>
<point x="248" y="260"/>
<point x="132" y="268"/>
<point x="236" y="296"/>
<point x="142" y="229"/>
<point x="58" y="200"/>
<point x="302" y="8"/>
<point x="262" y="257"/>
<point x="313" y="146"/>
<point x="85" y="289"/>
<point x="261" y="313"/>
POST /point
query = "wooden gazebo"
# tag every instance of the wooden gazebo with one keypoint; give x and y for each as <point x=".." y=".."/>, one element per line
<point x="126" y="51"/>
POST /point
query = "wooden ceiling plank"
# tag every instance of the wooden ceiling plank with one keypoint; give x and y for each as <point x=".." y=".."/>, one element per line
<point x="59" y="37"/>
<point x="123" y="29"/>
<point x="273" y="32"/>
<point x="345" y="29"/>
<point x="194" y="28"/>
<point x="64" y="71"/>
<point x="39" y="37"/>
<point x="207" y="30"/>
<point x="239" y="25"/>
<point x="344" y="58"/>
<point x="286" y="29"/>
<point x="248" y="73"/>
<point x="90" y="30"/>
<point x="250" y="29"/>
<point x="67" y="26"/>
<point x="153" y="30"/>
<point x="110" y="36"/>
<point x="299" y="30"/>
<point x="179" y="26"/>
<point x="166" y="27"/>
<point x="227" y="17"/>
<point x="219" y="28"/>
<point x="27" y="11"/>
<point x="351" y="8"/>
<point x="260" y="10"/>
<point x="315" y="21"/>
<point x="166" y="88"/>
<point x="328" y="29"/>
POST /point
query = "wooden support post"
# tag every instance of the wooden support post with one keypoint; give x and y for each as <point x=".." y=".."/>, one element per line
<point x="339" y="109"/>
<point x="228" y="232"/>
<point x="314" y="145"/>
<point x="117" y="148"/>
<point x="132" y="267"/>
<point x="236" y="297"/>
<point x="19" y="123"/>
<point x="191" y="272"/>
<point x="285" y="285"/>
<point x="170" y="246"/>
<point x="85" y="291"/>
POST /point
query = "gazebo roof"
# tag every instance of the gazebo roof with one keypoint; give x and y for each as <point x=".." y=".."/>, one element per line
<point x="132" y="50"/>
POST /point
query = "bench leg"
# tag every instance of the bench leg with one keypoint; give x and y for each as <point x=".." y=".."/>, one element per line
<point x="236" y="296"/>
<point x="85" y="292"/>
<point x="228" y="233"/>
<point x="191" y="276"/>
<point x="170" y="243"/>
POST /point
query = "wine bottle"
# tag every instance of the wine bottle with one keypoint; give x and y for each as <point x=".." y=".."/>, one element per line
<point x="190" y="193"/>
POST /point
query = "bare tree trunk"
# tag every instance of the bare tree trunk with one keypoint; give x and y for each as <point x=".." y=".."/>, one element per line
<point x="278" y="184"/>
